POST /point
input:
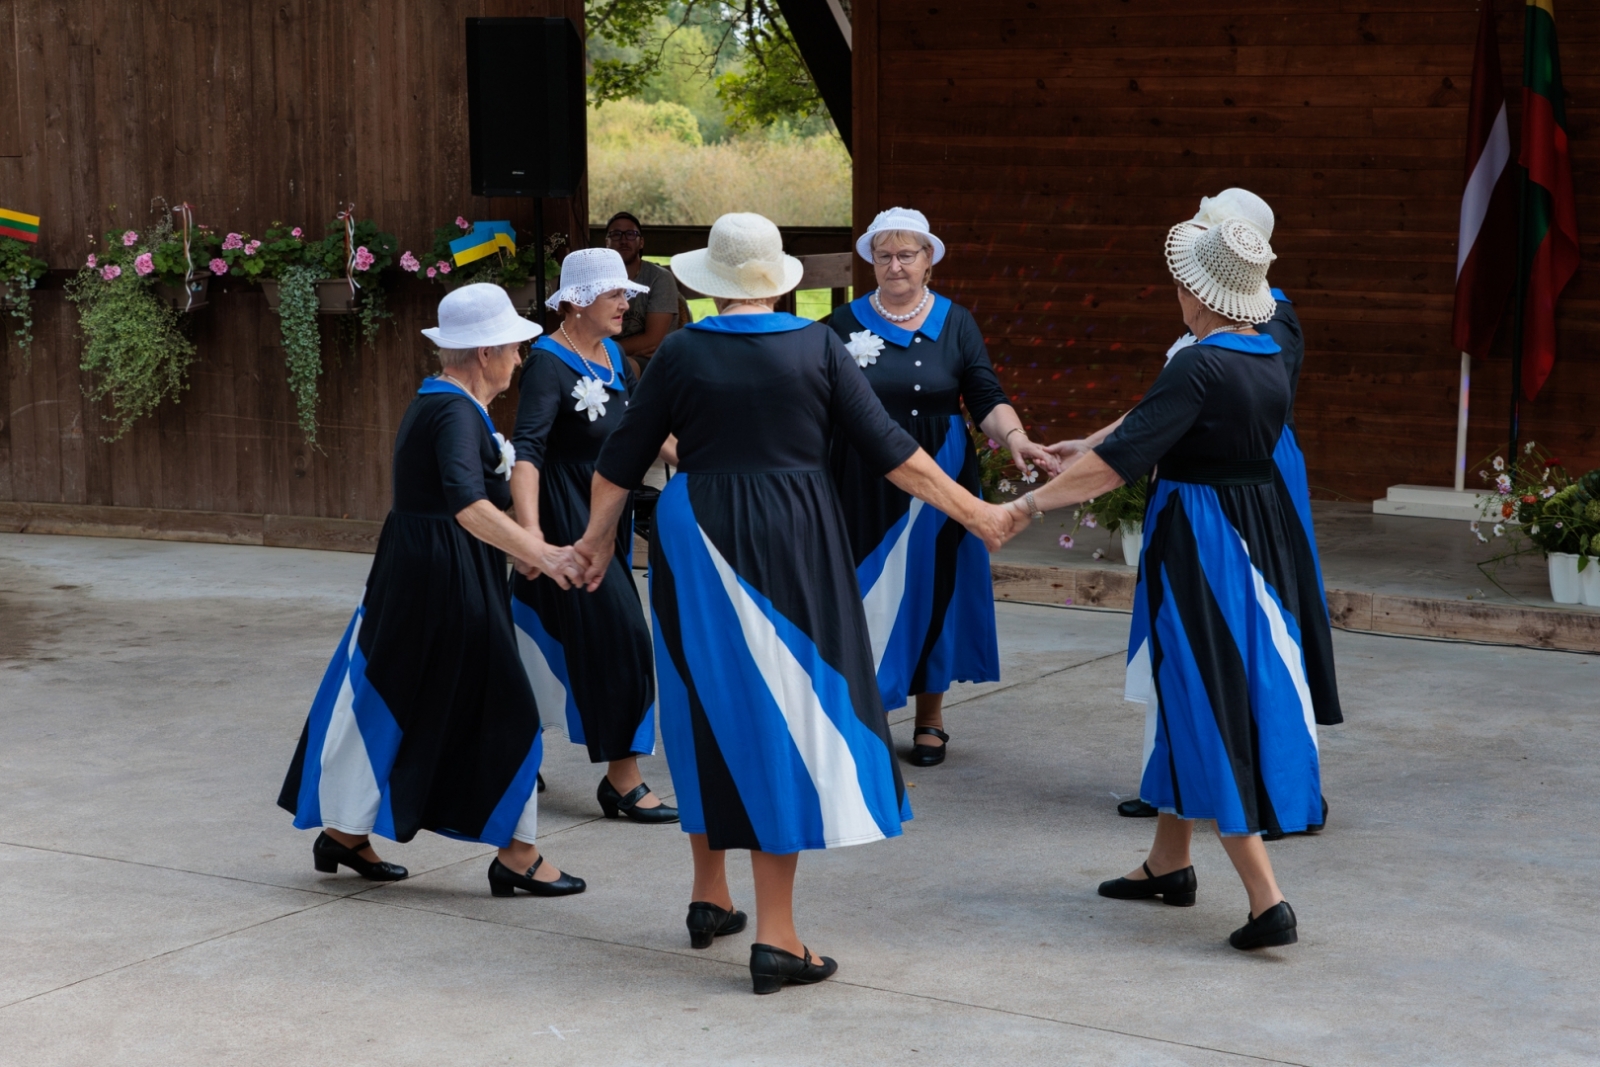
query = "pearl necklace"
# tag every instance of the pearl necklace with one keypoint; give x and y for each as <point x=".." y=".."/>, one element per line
<point x="577" y="352"/>
<point x="464" y="389"/>
<point x="877" y="305"/>
<point x="1225" y="329"/>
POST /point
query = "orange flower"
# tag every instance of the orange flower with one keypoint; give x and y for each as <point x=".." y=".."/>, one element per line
<point x="1506" y="509"/>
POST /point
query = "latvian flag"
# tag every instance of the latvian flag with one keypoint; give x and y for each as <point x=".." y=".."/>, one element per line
<point x="1486" y="252"/>
<point x="22" y="227"/>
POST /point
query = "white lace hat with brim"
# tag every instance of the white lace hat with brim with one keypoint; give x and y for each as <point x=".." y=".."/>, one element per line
<point x="742" y="260"/>
<point x="1224" y="266"/>
<point x="1236" y="204"/>
<point x="479" y="315"/>
<point x="903" y="220"/>
<point x="588" y="272"/>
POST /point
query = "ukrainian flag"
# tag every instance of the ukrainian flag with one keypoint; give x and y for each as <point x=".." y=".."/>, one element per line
<point x="22" y="227"/>
<point x="485" y="239"/>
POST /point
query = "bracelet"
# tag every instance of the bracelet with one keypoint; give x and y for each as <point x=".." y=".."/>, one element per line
<point x="1033" y="507"/>
<point x="1015" y="429"/>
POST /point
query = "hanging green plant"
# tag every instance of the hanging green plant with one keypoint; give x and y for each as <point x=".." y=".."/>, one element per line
<point x="302" y="341"/>
<point x="356" y="250"/>
<point x="20" y="271"/>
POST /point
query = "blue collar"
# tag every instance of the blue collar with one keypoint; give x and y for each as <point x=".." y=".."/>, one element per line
<point x="1259" y="345"/>
<point x="444" y="385"/>
<point x="566" y="355"/>
<point x="1281" y="297"/>
<point x="768" y="322"/>
<point x="861" y="307"/>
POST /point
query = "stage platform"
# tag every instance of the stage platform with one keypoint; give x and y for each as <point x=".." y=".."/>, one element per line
<point x="1384" y="574"/>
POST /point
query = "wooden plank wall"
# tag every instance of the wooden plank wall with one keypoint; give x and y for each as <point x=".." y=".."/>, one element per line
<point x="253" y="111"/>
<point x="1051" y="144"/>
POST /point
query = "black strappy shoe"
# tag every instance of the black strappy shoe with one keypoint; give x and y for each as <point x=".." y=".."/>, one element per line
<point x="327" y="854"/>
<point x="771" y="967"/>
<point x="707" y="921"/>
<point x="1273" y="927"/>
<point x="504" y="882"/>
<point x="927" y="755"/>
<point x="1175" y="888"/>
<point x="614" y="803"/>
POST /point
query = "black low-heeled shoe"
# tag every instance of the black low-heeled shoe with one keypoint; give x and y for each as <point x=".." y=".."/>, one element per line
<point x="327" y="854"/>
<point x="771" y="967"/>
<point x="927" y="755"/>
<point x="1275" y="926"/>
<point x="504" y="882"/>
<point x="707" y="921"/>
<point x="614" y="803"/>
<point x="1137" y="809"/>
<point x="1175" y="888"/>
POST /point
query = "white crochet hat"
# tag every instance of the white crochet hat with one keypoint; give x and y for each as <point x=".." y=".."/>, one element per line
<point x="1224" y="266"/>
<point x="479" y="315"/>
<point x="904" y="219"/>
<point x="743" y="259"/>
<point x="1236" y="204"/>
<point x="588" y="272"/>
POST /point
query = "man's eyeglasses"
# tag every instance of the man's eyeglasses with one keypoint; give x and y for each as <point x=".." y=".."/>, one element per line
<point x="623" y="235"/>
<point x="905" y="259"/>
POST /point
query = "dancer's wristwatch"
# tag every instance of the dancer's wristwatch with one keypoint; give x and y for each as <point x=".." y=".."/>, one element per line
<point x="1033" y="508"/>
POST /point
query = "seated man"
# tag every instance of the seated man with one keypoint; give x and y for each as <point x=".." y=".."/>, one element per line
<point x="650" y="316"/>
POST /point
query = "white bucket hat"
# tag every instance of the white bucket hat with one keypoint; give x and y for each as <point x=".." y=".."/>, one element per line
<point x="1224" y="266"/>
<point x="477" y="315"/>
<point x="905" y="219"/>
<point x="1236" y="204"/>
<point x="743" y="259"/>
<point x="588" y="272"/>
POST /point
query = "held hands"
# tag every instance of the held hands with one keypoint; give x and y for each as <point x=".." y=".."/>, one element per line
<point x="1025" y="453"/>
<point x="594" y="558"/>
<point x="995" y="524"/>
<point x="1069" y="449"/>
<point x="562" y="565"/>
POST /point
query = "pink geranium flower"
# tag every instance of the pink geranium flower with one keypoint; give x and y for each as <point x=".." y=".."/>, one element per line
<point x="143" y="265"/>
<point x="431" y="272"/>
<point x="218" y="266"/>
<point x="232" y="241"/>
<point x="364" y="259"/>
<point x="296" y="232"/>
<point x="463" y="223"/>
<point x="251" y="248"/>
<point x="444" y="266"/>
<point x="409" y="262"/>
<point x="91" y="262"/>
<point x="130" y="238"/>
<point x="111" y="272"/>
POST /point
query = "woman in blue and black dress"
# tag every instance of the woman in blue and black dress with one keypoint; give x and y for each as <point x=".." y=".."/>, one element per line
<point x="425" y="720"/>
<point x="925" y="581"/>
<point x="588" y="657"/>
<point x="1220" y="605"/>
<point x="775" y="733"/>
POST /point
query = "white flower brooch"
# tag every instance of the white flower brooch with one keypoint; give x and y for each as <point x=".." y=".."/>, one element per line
<point x="591" y="397"/>
<point x="508" y="455"/>
<point x="865" y="346"/>
<point x="1180" y="344"/>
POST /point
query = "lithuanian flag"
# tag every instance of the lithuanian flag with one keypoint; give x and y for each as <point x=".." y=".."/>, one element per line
<point x="22" y="227"/>
<point x="1549" y="213"/>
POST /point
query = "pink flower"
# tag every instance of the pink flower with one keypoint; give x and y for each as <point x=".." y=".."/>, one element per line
<point x="993" y="444"/>
<point x="1090" y="521"/>
<point x="364" y="259"/>
<point x="444" y="266"/>
<point x="463" y="223"/>
<point x="218" y="266"/>
<point x="431" y="272"/>
<point x="143" y="265"/>
<point x="91" y="262"/>
<point x="232" y="241"/>
<point x="296" y="232"/>
<point x="251" y="248"/>
<point x="130" y="238"/>
<point x="111" y="272"/>
<point x="409" y="262"/>
<point x="1065" y="541"/>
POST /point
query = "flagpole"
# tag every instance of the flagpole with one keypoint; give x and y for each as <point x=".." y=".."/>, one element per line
<point x="1516" y="322"/>
<point x="1461" y="422"/>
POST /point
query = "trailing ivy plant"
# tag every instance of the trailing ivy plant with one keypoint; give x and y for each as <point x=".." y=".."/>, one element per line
<point x="20" y="271"/>
<point x="302" y="341"/>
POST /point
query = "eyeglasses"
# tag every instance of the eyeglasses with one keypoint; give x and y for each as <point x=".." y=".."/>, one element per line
<point x="623" y="235"/>
<point x="905" y="259"/>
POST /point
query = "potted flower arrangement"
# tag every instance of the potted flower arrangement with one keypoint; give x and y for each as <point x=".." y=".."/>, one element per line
<point x="1538" y="503"/>
<point x="20" y="271"/>
<point x="132" y="342"/>
<point x="997" y="472"/>
<point x="514" y="273"/>
<point x="1121" y="511"/>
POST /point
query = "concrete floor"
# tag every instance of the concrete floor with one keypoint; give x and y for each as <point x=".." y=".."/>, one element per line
<point x="159" y="910"/>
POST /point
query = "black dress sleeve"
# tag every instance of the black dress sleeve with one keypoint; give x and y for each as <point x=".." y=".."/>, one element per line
<point x="980" y="386"/>
<point x="856" y="410"/>
<point x="1164" y="415"/>
<point x="635" y="443"/>
<point x="538" y="404"/>
<point x="458" y="447"/>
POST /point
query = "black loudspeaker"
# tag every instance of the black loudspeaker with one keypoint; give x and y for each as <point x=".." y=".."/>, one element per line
<point x="525" y="107"/>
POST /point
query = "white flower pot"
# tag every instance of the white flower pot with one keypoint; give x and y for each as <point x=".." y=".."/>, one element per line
<point x="1589" y="583"/>
<point x="1564" y="587"/>
<point x="1132" y="541"/>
